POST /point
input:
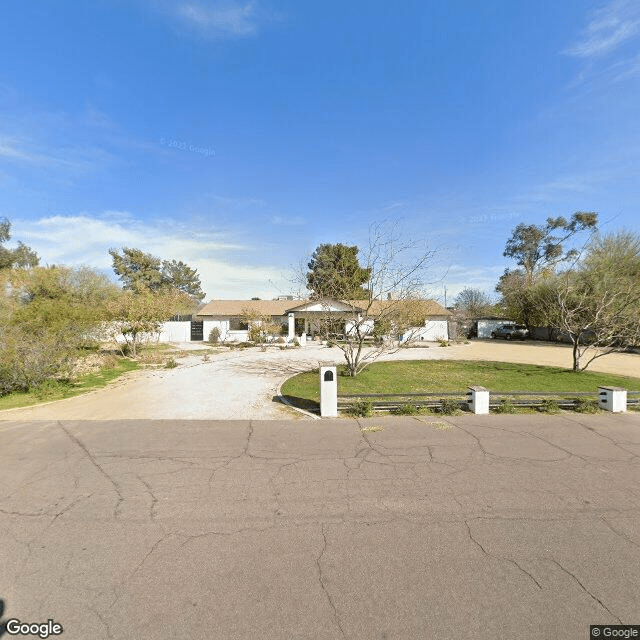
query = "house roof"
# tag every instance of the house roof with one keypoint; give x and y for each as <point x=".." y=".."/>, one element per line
<point x="237" y="307"/>
<point x="282" y="307"/>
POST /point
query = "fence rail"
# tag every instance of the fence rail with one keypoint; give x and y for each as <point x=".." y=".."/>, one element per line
<point x="533" y="399"/>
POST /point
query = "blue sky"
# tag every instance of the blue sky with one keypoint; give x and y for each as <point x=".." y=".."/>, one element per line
<point x="239" y="136"/>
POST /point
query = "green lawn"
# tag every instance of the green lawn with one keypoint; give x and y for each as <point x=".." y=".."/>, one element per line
<point x="57" y="390"/>
<point x="451" y="375"/>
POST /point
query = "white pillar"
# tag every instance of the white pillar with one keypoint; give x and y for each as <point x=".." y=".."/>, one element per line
<point x="613" y="399"/>
<point x="478" y="400"/>
<point x="303" y="340"/>
<point x="292" y="326"/>
<point x="328" y="390"/>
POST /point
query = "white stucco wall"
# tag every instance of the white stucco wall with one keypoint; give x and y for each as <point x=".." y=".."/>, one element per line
<point x="175" y="331"/>
<point x="366" y="326"/>
<point x="432" y="331"/>
<point x="485" y="327"/>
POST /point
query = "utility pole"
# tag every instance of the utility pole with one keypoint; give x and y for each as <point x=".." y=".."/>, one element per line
<point x="445" y="296"/>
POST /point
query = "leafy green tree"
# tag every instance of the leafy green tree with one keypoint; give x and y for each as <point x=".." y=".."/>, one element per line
<point x="334" y="272"/>
<point x="48" y="313"/>
<point x="139" y="269"/>
<point x="138" y="313"/>
<point x="538" y="250"/>
<point x="536" y="247"/>
<point x="597" y="304"/>
<point x="20" y="257"/>
<point x="182" y="277"/>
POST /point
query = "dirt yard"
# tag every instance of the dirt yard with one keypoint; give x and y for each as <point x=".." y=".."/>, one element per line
<point x="243" y="384"/>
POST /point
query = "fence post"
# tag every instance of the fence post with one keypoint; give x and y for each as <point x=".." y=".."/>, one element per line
<point x="478" y="399"/>
<point x="328" y="390"/>
<point x="612" y="399"/>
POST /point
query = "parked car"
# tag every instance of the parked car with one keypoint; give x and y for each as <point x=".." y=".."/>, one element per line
<point x="511" y="332"/>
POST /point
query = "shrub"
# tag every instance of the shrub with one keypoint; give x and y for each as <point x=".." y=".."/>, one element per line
<point x="214" y="335"/>
<point x="586" y="405"/>
<point x="409" y="409"/>
<point x="406" y="409"/>
<point x="449" y="406"/>
<point x="549" y="405"/>
<point x="442" y="342"/>
<point x="506" y="406"/>
<point x="361" y="409"/>
<point x="171" y="364"/>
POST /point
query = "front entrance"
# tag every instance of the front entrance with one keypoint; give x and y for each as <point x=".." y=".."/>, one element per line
<point x="197" y="331"/>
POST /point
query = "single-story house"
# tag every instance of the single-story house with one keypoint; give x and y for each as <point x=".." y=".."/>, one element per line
<point x="296" y="317"/>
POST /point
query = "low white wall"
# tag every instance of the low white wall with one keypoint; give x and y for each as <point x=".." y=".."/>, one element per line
<point x="175" y="331"/>
<point x="485" y="327"/>
<point x="432" y="331"/>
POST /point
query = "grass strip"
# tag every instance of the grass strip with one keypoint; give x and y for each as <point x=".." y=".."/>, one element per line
<point x="414" y="376"/>
<point x="61" y="389"/>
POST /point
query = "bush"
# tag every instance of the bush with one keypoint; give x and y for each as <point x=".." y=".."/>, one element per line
<point x="406" y="409"/>
<point x="586" y="405"/>
<point x="442" y="342"/>
<point x="409" y="409"/>
<point x="361" y="409"/>
<point x="549" y="405"/>
<point x="214" y="335"/>
<point x="449" y="406"/>
<point x="27" y="360"/>
<point x="506" y="406"/>
<point x="171" y="364"/>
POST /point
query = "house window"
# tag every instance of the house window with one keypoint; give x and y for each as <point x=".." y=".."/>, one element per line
<point x="237" y="324"/>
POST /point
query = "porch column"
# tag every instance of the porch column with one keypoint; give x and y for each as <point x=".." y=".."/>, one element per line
<point x="292" y="326"/>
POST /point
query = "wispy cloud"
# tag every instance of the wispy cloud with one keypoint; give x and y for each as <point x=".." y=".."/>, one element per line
<point x="15" y="150"/>
<point x="215" y="19"/>
<point x="283" y="221"/>
<point x="85" y="239"/>
<point x="610" y="27"/>
<point x="232" y="19"/>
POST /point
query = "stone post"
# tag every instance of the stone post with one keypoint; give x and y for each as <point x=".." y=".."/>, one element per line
<point x="478" y="399"/>
<point x="612" y="399"/>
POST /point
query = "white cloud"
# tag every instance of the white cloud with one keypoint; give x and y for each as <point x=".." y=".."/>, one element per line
<point x="233" y="19"/>
<point x="216" y="19"/>
<point x="609" y="28"/>
<point x="284" y="221"/>
<point x="85" y="240"/>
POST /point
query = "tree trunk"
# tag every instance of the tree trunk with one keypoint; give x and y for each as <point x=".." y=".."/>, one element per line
<point x="576" y="355"/>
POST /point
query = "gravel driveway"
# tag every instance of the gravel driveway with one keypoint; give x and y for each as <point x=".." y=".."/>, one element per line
<point x="242" y="384"/>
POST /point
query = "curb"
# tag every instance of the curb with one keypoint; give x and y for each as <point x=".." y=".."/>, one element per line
<point x="282" y="399"/>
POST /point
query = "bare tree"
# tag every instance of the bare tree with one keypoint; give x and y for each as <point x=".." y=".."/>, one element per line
<point x="597" y="304"/>
<point x="393" y="307"/>
<point x="473" y="303"/>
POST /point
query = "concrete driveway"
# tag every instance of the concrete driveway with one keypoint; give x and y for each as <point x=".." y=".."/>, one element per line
<point x="477" y="527"/>
<point x="243" y="384"/>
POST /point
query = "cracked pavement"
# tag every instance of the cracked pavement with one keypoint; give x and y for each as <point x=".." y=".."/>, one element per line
<point x="429" y="527"/>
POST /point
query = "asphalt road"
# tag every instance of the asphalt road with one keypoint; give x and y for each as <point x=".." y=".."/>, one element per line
<point x="467" y="527"/>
